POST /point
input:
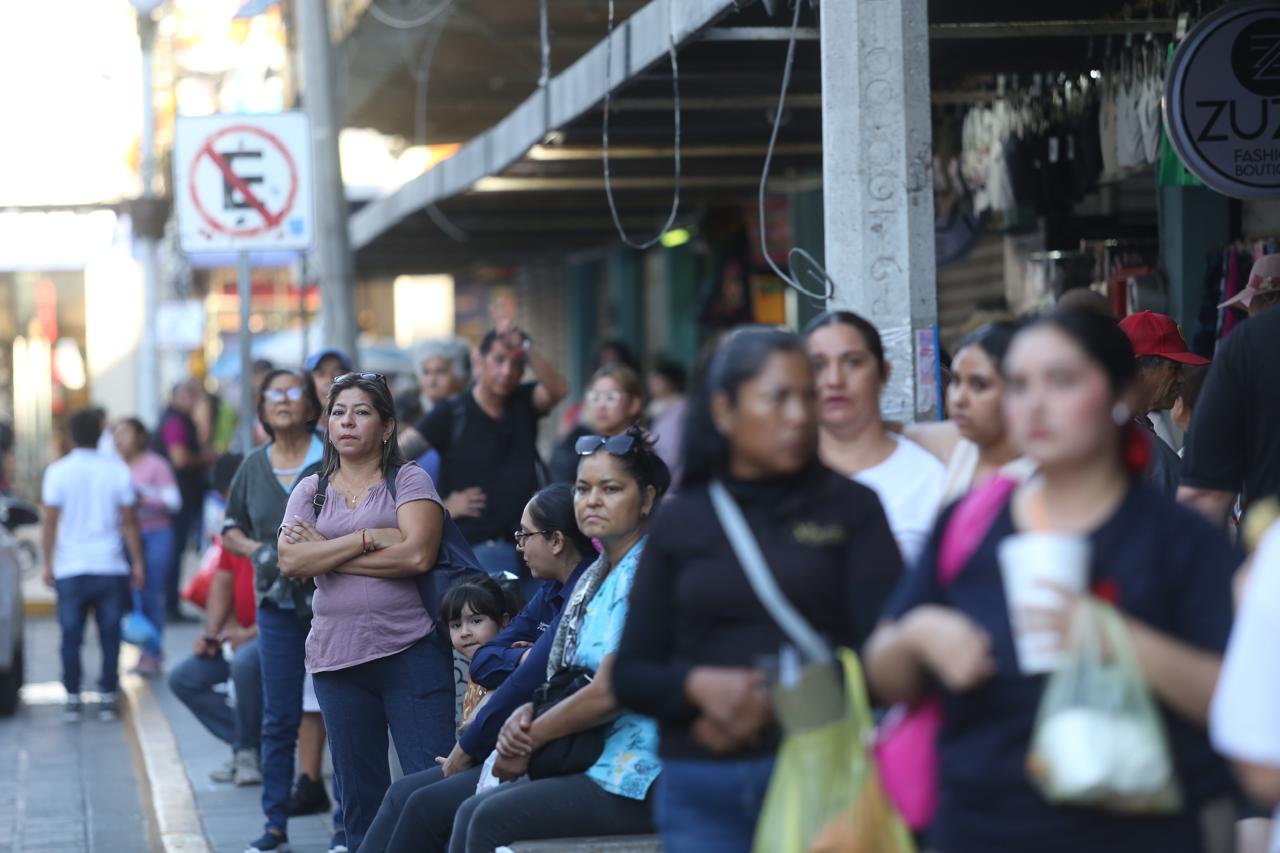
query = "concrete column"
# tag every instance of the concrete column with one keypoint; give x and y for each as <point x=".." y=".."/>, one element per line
<point x="877" y="184"/>
<point x="333" y="264"/>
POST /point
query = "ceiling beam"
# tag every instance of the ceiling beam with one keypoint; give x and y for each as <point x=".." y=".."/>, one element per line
<point x="1050" y="29"/>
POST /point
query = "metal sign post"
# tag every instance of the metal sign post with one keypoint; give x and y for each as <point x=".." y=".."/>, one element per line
<point x="244" y="184"/>
<point x="247" y="391"/>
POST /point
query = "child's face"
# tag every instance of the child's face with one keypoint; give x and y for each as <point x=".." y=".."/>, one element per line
<point x="471" y="630"/>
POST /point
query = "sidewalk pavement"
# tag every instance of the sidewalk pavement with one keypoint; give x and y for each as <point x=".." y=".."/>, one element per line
<point x="68" y="787"/>
<point x="230" y="816"/>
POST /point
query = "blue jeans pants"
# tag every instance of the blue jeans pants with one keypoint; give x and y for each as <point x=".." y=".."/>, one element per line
<point x="704" y="806"/>
<point x="412" y="693"/>
<point x="282" y="639"/>
<point x="187" y="525"/>
<point x="106" y="596"/>
<point x="193" y="682"/>
<point x="157" y="552"/>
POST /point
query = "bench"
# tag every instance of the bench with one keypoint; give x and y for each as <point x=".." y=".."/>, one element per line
<point x="611" y="844"/>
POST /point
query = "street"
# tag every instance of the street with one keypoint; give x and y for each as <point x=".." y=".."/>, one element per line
<point x="69" y="786"/>
<point x="84" y="787"/>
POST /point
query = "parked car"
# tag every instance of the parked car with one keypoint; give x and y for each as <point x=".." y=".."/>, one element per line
<point x="13" y="514"/>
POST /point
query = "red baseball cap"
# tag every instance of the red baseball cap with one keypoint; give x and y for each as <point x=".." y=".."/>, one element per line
<point x="1158" y="334"/>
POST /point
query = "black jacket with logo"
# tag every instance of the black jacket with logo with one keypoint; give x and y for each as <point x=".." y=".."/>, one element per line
<point x="829" y="546"/>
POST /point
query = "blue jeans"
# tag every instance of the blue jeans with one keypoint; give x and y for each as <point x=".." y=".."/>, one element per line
<point x="107" y="596"/>
<point x="282" y="639"/>
<point x="193" y="681"/>
<point x="412" y="693"/>
<point x="497" y="556"/>
<point x="157" y="551"/>
<point x="704" y="806"/>
<point x="187" y="529"/>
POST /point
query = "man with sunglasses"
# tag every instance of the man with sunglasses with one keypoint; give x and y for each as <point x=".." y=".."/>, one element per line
<point x="487" y="439"/>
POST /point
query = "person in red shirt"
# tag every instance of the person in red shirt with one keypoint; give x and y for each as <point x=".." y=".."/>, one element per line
<point x="230" y="619"/>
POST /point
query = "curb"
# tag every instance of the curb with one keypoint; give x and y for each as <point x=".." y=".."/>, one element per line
<point x="39" y="608"/>
<point x="169" y="792"/>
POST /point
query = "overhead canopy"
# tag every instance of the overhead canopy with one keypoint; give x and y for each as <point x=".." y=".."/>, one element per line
<point x="530" y="182"/>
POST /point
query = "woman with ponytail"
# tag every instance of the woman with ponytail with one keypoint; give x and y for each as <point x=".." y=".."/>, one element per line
<point x="1168" y="573"/>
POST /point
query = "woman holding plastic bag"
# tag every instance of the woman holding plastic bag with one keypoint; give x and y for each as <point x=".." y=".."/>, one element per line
<point x="989" y="636"/>
<point x="700" y="639"/>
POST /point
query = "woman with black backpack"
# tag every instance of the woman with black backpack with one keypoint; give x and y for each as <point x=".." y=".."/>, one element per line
<point x="377" y="655"/>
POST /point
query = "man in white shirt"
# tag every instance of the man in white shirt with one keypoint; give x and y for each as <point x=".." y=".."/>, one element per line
<point x="89" y="521"/>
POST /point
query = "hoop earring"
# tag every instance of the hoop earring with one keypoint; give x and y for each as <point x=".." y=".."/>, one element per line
<point x="1121" y="414"/>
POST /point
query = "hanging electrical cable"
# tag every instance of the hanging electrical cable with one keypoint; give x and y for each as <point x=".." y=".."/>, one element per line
<point x="817" y="272"/>
<point x="421" y="71"/>
<point x="387" y="19"/>
<point x="608" y="179"/>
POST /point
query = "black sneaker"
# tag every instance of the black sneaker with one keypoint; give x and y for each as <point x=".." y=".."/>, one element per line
<point x="269" y="843"/>
<point x="308" y="797"/>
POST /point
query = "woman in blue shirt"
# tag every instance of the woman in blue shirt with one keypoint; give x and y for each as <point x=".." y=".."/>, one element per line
<point x="620" y="481"/>
<point x="1164" y="568"/>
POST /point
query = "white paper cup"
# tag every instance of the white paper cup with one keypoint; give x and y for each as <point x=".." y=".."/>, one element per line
<point x="1028" y="561"/>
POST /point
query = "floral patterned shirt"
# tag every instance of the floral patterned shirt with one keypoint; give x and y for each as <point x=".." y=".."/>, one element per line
<point x="629" y="763"/>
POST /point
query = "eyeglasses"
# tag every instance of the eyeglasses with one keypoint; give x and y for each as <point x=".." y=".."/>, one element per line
<point x="279" y="395"/>
<point x="367" y="377"/>
<point x="595" y="398"/>
<point x="521" y="535"/>
<point x="618" y="445"/>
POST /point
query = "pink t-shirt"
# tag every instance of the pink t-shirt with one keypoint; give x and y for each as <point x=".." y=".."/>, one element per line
<point x="157" y="490"/>
<point x="359" y="619"/>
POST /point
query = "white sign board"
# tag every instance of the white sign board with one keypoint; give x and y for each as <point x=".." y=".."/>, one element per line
<point x="243" y="182"/>
<point x="1222" y="100"/>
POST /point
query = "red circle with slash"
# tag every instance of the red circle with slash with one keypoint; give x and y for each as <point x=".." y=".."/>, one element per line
<point x="269" y="220"/>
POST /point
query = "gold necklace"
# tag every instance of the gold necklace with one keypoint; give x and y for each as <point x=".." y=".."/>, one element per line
<point x="352" y="500"/>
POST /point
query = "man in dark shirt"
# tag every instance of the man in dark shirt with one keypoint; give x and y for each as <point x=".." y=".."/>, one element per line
<point x="1234" y="447"/>
<point x="487" y="438"/>
<point x="178" y="441"/>
<point x="1161" y="351"/>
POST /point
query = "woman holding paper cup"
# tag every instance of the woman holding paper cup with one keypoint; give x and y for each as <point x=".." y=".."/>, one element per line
<point x="1087" y="525"/>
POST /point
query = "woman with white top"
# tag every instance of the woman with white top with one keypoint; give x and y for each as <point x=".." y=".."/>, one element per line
<point x="974" y="444"/>
<point x="850" y="371"/>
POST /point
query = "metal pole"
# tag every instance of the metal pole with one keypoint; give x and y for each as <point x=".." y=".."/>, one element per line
<point x="247" y="392"/>
<point x="334" y="267"/>
<point x="148" y="398"/>
<point x="877" y="156"/>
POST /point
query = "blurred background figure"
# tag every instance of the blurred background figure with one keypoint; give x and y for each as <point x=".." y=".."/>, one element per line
<point x="324" y="366"/>
<point x="178" y="441"/>
<point x="158" y="501"/>
<point x="666" y="412"/>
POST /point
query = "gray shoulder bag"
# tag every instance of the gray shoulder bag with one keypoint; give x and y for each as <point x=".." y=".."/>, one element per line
<point x="812" y="694"/>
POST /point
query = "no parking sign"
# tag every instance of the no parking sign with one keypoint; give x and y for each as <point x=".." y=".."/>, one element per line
<point x="243" y="182"/>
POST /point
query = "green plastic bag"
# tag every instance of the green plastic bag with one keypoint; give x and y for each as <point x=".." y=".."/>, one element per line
<point x="1099" y="740"/>
<point x="825" y="794"/>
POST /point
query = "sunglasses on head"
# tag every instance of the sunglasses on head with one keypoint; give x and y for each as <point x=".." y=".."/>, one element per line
<point x="367" y="377"/>
<point x="618" y="445"/>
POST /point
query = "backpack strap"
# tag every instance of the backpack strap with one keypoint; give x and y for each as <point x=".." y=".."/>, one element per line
<point x="969" y="524"/>
<point x="458" y="417"/>
<point x="322" y="491"/>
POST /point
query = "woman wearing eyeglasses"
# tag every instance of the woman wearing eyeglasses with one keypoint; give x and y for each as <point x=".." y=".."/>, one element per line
<point x="614" y="402"/>
<point x="378" y="659"/>
<point x="620" y="481"/>
<point x="288" y="410"/>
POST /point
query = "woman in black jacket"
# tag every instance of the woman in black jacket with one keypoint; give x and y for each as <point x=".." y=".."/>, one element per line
<point x="696" y="635"/>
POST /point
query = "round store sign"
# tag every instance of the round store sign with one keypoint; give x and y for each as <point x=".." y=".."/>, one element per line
<point x="1222" y="100"/>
